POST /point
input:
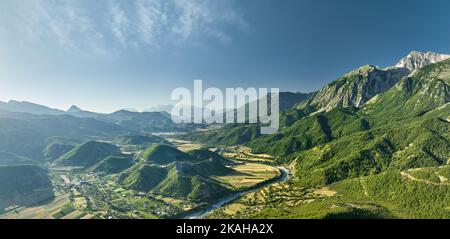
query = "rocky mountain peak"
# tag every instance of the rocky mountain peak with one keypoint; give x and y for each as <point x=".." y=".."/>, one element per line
<point x="74" y="109"/>
<point x="416" y="60"/>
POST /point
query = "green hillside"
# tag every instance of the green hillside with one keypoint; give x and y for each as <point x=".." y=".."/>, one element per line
<point x="146" y="121"/>
<point x="28" y="135"/>
<point x="187" y="175"/>
<point x="23" y="185"/>
<point x="113" y="164"/>
<point x="355" y="88"/>
<point x="88" y="154"/>
<point x="139" y="140"/>
<point x="194" y="187"/>
<point x="375" y="143"/>
<point x="7" y="158"/>
<point x="164" y="154"/>
<point x="413" y="96"/>
<point x="416" y="135"/>
<point x="385" y="159"/>
<point x="311" y="131"/>
<point x="143" y="177"/>
<point x="391" y="194"/>
<point x="211" y="167"/>
<point x="352" y="90"/>
<point x="403" y="197"/>
<point x="232" y="134"/>
<point x="400" y="128"/>
<point x="203" y="154"/>
<point x="205" y="167"/>
<point x="55" y="150"/>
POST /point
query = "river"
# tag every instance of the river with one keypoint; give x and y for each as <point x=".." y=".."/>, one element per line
<point x="202" y="213"/>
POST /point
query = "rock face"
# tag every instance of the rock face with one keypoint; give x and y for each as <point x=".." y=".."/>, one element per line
<point x="416" y="60"/>
<point x="356" y="88"/>
<point x="425" y="90"/>
<point x="359" y="86"/>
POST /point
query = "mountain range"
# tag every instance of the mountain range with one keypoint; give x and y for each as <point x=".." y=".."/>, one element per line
<point x="379" y="138"/>
<point x="370" y="128"/>
<point x="359" y="123"/>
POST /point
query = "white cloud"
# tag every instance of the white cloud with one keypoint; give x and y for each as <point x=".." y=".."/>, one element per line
<point x="119" y="23"/>
<point x="100" y="26"/>
<point x="192" y="16"/>
<point x="152" y="21"/>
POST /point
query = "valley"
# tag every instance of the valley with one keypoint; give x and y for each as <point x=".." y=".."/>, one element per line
<point x="374" y="143"/>
<point x="95" y="193"/>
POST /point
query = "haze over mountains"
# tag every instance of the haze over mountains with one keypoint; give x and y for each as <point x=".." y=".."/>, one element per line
<point x="353" y="90"/>
<point x="378" y="137"/>
<point x="369" y="123"/>
<point x="359" y="107"/>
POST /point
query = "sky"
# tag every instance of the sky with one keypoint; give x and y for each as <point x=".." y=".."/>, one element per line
<point x="107" y="55"/>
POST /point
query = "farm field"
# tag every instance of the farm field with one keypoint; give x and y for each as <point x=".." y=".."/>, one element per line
<point x="245" y="154"/>
<point x="185" y="146"/>
<point x="59" y="208"/>
<point x="86" y="194"/>
<point x="248" y="175"/>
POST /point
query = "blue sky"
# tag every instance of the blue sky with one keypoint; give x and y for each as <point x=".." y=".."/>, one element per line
<point x="110" y="54"/>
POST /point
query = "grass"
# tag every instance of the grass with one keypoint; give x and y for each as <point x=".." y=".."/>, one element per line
<point x="245" y="154"/>
<point x="386" y="195"/>
<point x="80" y="202"/>
<point x="248" y="175"/>
<point x="40" y="212"/>
<point x="65" y="210"/>
<point x="426" y="174"/>
<point x="186" y="146"/>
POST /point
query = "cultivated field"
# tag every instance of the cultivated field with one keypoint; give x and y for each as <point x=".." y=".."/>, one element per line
<point x="279" y="197"/>
<point x="185" y="146"/>
<point x="248" y="175"/>
<point x="245" y="153"/>
<point x="60" y="207"/>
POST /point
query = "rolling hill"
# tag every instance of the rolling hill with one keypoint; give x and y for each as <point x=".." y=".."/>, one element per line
<point x="88" y="154"/>
<point x="28" y="107"/>
<point x="131" y="121"/>
<point x="55" y="150"/>
<point x="23" y="185"/>
<point x="193" y="187"/>
<point x="114" y="164"/>
<point x="183" y="176"/>
<point x="146" y="121"/>
<point x="164" y="154"/>
<point x="7" y="158"/>
<point x="143" y="177"/>
<point x="178" y="180"/>
<point x="230" y="134"/>
<point x="203" y="154"/>
<point x="27" y="135"/>
<point x="139" y="140"/>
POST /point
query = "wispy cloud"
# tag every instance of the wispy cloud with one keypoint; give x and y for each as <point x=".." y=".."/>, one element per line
<point x="152" y="21"/>
<point x="120" y="25"/>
